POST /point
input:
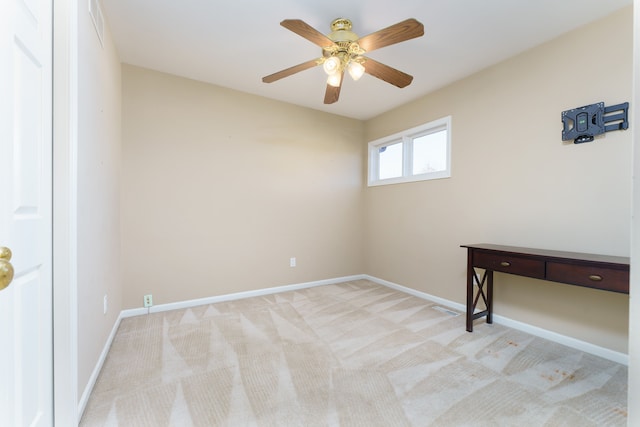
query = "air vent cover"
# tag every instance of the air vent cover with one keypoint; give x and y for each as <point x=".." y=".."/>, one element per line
<point x="446" y="310"/>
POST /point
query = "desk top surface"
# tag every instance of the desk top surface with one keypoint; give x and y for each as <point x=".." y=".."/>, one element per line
<point x="550" y="254"/>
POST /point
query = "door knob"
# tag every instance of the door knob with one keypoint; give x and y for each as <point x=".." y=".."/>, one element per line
<point x="6" y="269"/>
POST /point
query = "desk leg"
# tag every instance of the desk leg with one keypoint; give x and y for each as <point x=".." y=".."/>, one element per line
<point x="489" y="296"/>
<point x="486" y="293"/>
<point x="470" y="281"/>
<point x="469" y="306"/>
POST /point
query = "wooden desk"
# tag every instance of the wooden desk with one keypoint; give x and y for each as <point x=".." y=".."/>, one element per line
<point x="609" y="273"/>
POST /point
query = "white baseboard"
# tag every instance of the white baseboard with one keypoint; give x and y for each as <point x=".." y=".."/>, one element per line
<point x="596" y="350"/>
<point x="82" y="404"/>
<point x="235" y="296"/>
<point x="533" y="330"/>
<point x="447" y="303"/>
<point x="605" y="353"/>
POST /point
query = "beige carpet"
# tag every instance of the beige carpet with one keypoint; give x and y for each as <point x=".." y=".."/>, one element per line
<point x="351" y="354"/>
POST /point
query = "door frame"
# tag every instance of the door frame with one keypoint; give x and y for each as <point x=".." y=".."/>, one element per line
<point x="633" y="394"/>
<point x="65" y="125"/>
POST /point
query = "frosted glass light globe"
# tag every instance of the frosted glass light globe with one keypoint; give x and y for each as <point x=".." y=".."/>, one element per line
<point x="334" y="79"/>
<point x="356" y="70"/>
<point x="331" y="65"/>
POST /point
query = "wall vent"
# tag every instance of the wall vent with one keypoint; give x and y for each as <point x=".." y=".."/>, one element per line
<point x="446" y="310"/>
<point x="98" y="20"/>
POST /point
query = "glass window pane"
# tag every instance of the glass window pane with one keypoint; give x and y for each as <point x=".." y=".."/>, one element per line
<point x="390" y="161"/>
<point x="430" y="153"/>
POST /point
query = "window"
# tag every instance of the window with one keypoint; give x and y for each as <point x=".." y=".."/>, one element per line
<point x="417" y="154"/>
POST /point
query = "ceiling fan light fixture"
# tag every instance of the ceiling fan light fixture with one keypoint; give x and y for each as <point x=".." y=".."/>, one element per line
<point x="334" y="79"/>
<point x="356" y="70"/>
<point x="331" y="65"/>
<point x="343" y="50"/>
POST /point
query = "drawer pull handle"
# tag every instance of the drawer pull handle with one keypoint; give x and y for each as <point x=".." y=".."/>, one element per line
<point x="505" y="263"/>
<point x="595" y="278"/>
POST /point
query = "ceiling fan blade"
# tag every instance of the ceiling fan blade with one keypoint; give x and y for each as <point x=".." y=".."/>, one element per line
<point x="405" y="30"/>
<point x="386" y="73"/>
<point x="332" y="93"/>
<point x="289" y="71"/>
<point x="303" y="29"/>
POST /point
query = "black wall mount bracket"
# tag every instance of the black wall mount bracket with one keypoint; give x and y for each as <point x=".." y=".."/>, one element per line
<point x="583" y="123"/>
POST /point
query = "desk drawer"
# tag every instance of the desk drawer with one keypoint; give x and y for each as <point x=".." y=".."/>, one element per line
<point x="509" y="264"/>
<point x="608" y="279"/>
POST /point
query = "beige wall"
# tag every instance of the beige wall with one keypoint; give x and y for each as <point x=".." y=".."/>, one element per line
<point x="98" y="186"/>
<point x="515" y="182"/>
<point x="221" y="188"/>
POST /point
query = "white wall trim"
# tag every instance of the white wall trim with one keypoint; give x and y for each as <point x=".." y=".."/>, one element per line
<point x="587" y="347"/>
<point x="235" y="296"/>
<point x="533" y="330"/>
<point x="445" y="302"/>
<point x="96" y="371"/>
<point x="605" y="353"/>
<point x="187" y="304"/>
<point x="521" y="326"/>
<point x="633" y="393"/>
<point x="65" y="297"/>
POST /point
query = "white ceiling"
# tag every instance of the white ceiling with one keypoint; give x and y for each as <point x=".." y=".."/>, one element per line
<point x="235" y="43"/>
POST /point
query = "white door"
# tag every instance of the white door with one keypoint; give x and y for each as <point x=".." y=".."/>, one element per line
<point x="25" y="212"/>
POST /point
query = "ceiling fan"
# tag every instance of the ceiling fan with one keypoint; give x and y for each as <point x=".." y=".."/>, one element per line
<point x="343" y="50"/>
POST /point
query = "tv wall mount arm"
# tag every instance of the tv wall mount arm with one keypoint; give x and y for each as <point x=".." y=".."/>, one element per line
<point x="582" y="124"/>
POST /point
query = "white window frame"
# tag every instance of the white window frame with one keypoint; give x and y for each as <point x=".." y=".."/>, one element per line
<point x="406" y="137"/>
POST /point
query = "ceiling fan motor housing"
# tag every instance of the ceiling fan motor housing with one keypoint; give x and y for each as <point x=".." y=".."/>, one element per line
<point x="341" y="32"/>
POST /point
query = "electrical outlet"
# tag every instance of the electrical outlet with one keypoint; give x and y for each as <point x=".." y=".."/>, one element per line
<point x="292" y="262"/>
<point x="105" y="304"/>
<point x="148" y="301"/>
